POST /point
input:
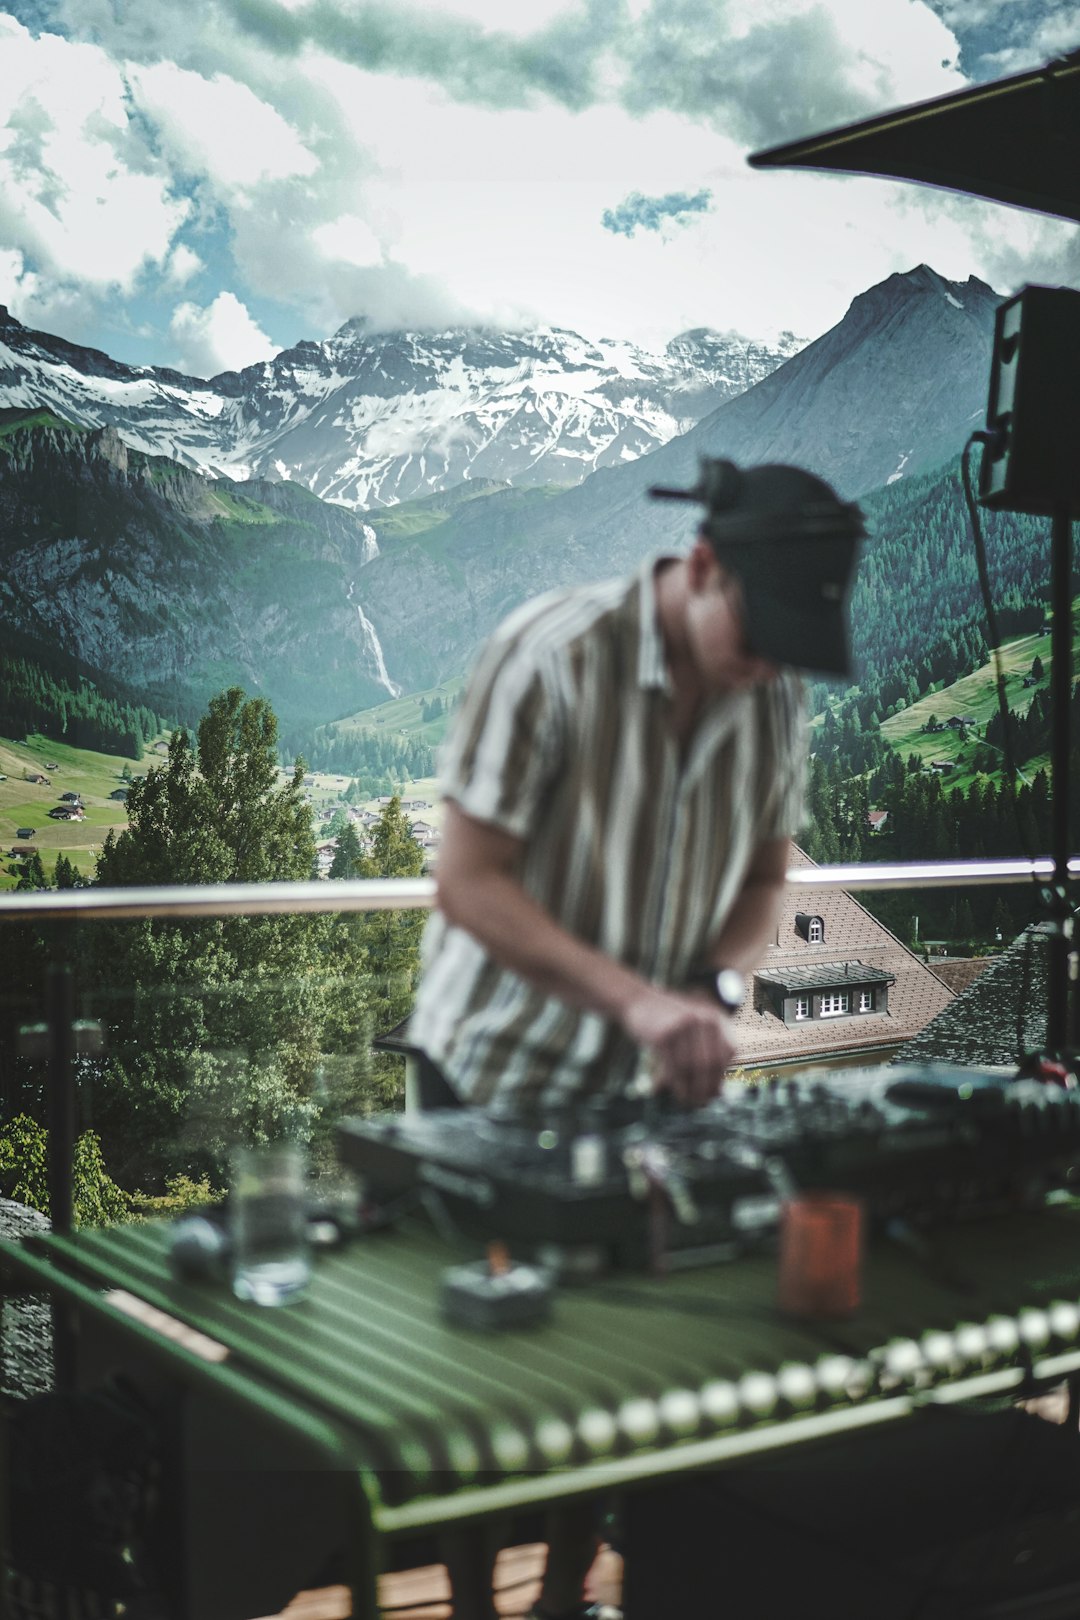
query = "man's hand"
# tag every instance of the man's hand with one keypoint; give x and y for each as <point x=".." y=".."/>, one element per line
<point x="689" y="1038"/>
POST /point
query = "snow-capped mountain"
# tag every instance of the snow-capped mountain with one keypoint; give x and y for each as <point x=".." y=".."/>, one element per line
<point x="891" y="391"/>
<point x="369" y="419"/>
<point x="178" y="584"/>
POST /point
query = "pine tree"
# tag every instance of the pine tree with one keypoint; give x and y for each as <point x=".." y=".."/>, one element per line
<point x="32" y="875"/>
<point x="67" y="874"/>
<point x="348" y="861"/>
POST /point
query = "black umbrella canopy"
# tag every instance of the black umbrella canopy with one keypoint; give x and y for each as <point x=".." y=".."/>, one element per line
<point x="1016" y="140"/>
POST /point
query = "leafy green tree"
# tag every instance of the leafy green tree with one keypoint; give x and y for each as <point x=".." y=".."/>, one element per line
<point x="214" y="1027"/>
<point x="392" y="938"/>
<point x="377" y="954"/>
<point x="24" y="1154"/>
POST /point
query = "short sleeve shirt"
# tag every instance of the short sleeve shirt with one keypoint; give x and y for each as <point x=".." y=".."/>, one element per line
<point x="633" y="843"/>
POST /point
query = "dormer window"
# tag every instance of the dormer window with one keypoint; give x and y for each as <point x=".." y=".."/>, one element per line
<point x="811" y="990"/>
<point x="811" y="928"/>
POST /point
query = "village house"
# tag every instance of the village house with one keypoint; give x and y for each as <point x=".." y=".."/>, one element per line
<point x="876" y="819"/>
<point x="832" y="984"/>
<point x="833" y="981"/>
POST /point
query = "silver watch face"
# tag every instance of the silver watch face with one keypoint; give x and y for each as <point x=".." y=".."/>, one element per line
<point x="730" y="988"/>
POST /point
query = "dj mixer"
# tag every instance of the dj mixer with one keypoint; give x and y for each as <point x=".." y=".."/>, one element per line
<point x="602" y="1184"/>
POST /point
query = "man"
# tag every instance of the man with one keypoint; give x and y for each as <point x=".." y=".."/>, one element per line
<point x="621" y="787"/>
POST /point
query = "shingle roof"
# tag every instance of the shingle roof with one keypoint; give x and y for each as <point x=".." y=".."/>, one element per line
<point x="996" y="1019"/>
<point x="824" y="975"/>
<point x="851" y="934"/>
<point x="960" y="971"/>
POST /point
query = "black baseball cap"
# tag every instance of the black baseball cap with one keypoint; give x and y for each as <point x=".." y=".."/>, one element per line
<point x="793" y="545"/>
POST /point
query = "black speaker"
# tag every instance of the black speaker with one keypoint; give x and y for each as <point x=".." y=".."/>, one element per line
<point x="1032" y="461"/>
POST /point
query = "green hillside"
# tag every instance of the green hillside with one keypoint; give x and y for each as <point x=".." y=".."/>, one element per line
<point x="975" y="696"/>
<point x="410" y="518"/>
<point x="25" y="804"/>
<point x="405" y="715"/>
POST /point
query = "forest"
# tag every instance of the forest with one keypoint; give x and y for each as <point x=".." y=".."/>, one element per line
<point x="379" y="761"/>
<point x="35" y="699"/>
<point x="852" y="771"/>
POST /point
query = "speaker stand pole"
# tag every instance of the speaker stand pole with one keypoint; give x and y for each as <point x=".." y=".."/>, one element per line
<point x="1061" y="1030"/>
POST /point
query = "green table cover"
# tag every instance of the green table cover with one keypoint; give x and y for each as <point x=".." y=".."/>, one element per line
<point x="633" y="1376"/>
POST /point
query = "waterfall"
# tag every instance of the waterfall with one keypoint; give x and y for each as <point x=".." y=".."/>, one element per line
<point x="371" y="641"/>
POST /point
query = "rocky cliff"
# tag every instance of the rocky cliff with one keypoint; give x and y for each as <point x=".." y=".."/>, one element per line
<point x="178" y="584"/>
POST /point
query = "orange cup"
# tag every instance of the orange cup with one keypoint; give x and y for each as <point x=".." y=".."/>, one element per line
<point x="820" y="1255"/>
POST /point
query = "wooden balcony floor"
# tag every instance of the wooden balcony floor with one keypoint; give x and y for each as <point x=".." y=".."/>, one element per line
<point x="424" y="1594"/>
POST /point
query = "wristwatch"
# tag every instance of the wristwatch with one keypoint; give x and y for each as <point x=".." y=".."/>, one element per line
<point x="726" y="985"/>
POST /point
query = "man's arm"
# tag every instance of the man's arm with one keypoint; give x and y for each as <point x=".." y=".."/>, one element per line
<point x="751" y="923"/>
<point x="689" y="1039"/>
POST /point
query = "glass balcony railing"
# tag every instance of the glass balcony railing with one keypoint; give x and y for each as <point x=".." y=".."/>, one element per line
<point x="150" y="1031"/>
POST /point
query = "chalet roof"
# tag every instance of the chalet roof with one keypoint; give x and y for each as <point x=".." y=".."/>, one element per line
<point x="850" y="934"/>
<point x="998" y="1017"/>
<point x="823" y="975"/>
<point x="397" y="1040"/>
<point x="960" y="971"/>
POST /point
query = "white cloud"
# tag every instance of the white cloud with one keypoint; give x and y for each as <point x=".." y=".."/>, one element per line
<point x="349" y="239"/>
<point x="220" y="337"/>
<point x="76" y="196"/>
<point x="17" y="284"/>
<point x="218" y="127"/>
<point x="182" y="265"/>
<point x="451" y="160"/>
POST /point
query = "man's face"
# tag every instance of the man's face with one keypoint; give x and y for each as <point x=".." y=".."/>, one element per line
<point x="715" y="630"/>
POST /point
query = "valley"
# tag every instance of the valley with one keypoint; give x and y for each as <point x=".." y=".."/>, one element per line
<point x="138" y="564"/>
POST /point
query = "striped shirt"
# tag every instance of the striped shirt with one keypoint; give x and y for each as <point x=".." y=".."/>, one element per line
<point x="633" y="843"/>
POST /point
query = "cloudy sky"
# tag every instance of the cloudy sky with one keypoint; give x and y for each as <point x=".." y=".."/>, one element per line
<point x="201" y="185"/>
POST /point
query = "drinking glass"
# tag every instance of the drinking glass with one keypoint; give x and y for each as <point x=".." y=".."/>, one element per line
<point x="271" y="1253"/>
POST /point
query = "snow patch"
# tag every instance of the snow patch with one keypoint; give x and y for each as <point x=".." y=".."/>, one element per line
<point x="901" y="464"/>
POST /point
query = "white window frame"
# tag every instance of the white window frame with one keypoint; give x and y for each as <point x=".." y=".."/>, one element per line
<point x="802" y="1007"/>
<point x="841" y="998"/>
<point x="866" y="1001"/>
<point x="815" y="931"/>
